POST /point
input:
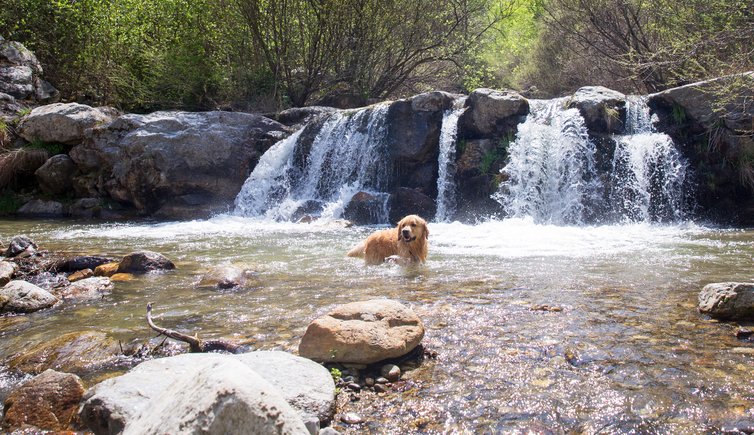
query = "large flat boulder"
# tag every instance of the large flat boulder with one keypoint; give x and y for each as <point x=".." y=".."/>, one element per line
<point x="62" y="122"/>
<point x="122" y="403"/>
<point x="362" y="333"/>
<point x="727" y="300"/>
<point x="184" y="163"/>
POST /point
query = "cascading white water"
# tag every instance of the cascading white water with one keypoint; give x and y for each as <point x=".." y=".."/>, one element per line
<point x="550" y="172"/>
<point x="446" y="201"/>
<point x="648" y="181"/>
<point x="552" y="176"/>
<point x="346" y="156"/>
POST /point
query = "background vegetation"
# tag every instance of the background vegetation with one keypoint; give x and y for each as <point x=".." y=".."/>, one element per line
<point x="142" y="55"/>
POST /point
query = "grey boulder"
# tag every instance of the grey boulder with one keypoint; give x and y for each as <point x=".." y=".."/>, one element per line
<point x="22" y="297"/>
<point x="727" y="300"/>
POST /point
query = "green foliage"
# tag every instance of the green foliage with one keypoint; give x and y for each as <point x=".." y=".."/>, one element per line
<point x="9" y="203"/>
<point x="4" y="133"/>
<point x="24" y="111"/>
<point x="336" y="374"/>
<point x="53" y="148"/>
<point x="496" y="155"/>
<point x="678" y="113"/>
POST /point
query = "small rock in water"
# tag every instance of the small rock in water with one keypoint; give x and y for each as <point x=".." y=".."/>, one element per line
<point x="382" y="380"/>
<point x="107" y="269"/>
<point x="391" y="372"/>
<point x="20" y="244"/>
<point x="351" y="418"/>
<point x="744" y="334"/>
<point x="144" y="261"/>
<point x="80" y="274"/>
<point x="369" y="382"/>
<point x="353" y="386"/>
<point x="545" y="307"/>
<point x="328" y="431"/>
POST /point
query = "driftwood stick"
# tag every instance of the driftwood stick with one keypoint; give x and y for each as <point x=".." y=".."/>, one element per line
<point x="195" y="344"/>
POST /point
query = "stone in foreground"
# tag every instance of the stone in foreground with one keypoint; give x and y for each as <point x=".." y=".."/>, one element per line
<point x="118" y="403"/>
<point x="727" y="300"/>
<point x="362" y="333"/>
<point x="49" y="401"/>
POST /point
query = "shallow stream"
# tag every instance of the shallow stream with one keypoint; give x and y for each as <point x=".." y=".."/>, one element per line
<point x="624" y="350"/>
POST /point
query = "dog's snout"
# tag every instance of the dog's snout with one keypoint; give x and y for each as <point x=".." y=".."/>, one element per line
<point x="405" y="231"/>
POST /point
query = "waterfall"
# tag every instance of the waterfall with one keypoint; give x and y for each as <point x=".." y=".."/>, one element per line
<point x="550" y="172"/>
<point x="551" y="175"/>
<point x="648" y="181"/>
<point x="446" y="201"/>
<point x="319" y="175"/>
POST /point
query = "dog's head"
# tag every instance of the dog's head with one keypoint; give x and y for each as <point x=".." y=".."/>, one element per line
<point x="412" y="228"/>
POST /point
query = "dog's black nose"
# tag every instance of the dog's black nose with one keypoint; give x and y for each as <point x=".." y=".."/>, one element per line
<point x="405" y="232"/>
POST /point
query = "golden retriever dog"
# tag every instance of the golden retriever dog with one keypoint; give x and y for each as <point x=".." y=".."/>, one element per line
<point x="407" y="241"/>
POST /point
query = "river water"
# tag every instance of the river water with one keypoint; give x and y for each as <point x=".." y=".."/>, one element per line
<point x="626" y="352"/>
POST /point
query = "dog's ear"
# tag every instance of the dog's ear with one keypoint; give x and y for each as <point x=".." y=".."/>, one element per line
<point x="426" y="231"/>
<point x="399" y="231"/>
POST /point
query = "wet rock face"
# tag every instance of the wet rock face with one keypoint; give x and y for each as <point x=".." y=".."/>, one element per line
<point x="491" y="114"/>
<point x="182" y="162"/>
<point x="603" y="109"/>
<point x="728" y="300"/>
<point x="413" y="137"/>
<point x="143" y="262"/>
<point x="49" y="401"/>
<point x="362" y="333"/>
<point x="364" y="208"/>
<point x="128" y="402"/>
<point x="404" y="202"/>
<point x="23" y="297"/>
<point x="711" y="122"/>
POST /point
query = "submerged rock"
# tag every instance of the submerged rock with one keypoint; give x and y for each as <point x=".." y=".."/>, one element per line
<point x="363" y="333"/>
<point x="49" y="401"/>
<point x="87" y="289"/>
<point x="23" y="297"/>
<point x="127" y="402"/>
<point x="228" y="277"/>
<point x="76" y="352"/>
<point x="727" y="300"/>
<point x="143" y="262"/>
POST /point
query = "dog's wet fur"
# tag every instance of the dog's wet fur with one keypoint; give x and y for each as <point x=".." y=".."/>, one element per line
<point x="408" y="242"/>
